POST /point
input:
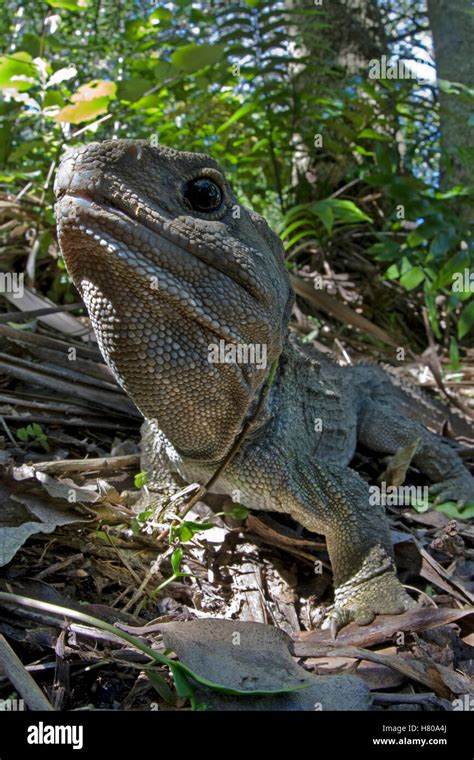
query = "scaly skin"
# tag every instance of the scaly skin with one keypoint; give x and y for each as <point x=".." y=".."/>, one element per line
<point x="163" y="281"/>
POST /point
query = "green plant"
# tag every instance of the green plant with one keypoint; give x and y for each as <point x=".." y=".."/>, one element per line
<point x="34" y="433"/>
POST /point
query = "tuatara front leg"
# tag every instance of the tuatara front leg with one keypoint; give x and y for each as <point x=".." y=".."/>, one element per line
<point x="335" y="501"/>
<point x="383" y="429"/>
<point x="323" y="497"/>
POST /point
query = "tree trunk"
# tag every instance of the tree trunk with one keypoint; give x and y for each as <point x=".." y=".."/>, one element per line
<point x="452" y="26"/>
<point x="340" y="42"/>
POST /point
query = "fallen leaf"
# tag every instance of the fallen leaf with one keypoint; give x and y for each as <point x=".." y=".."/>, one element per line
<point x="397" y="466"/>
<point x="255" y="657"/>
<point x="24" y="515"/>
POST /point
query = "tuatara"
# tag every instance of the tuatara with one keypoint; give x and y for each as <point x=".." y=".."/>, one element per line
<point x="178" y="277"/>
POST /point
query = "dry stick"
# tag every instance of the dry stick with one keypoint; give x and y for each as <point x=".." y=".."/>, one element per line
<point x="21" y="679"/>
<point x="55" y="344"/>
<point x="237" y="443"/>
<point x="413" y="699"/>
<point x="69" y="421"/>
<point x="339" y="310"/>
<point x="7" y="430"/>
<point x="24" y="316"/>
<point x="64" y="466"/>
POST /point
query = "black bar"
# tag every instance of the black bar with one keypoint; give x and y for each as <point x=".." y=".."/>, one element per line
<point x="305" y="734"/>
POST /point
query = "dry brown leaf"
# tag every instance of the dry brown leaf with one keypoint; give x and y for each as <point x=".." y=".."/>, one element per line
<point x="397" y="466"/>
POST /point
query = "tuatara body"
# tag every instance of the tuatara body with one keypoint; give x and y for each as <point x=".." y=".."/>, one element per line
<point x="178" y="277"/>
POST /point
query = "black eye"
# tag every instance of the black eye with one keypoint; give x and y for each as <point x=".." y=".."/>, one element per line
<point x="203" y="194"/>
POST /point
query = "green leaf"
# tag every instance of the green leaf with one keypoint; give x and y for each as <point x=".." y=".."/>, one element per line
<point x="294" y="226"/>
<point x="132" y="89"/>
<point x="455" y="265"/>
<point x="299" y="236"/>
<point x="442" y="242"/>
<point x="363" y="151"/>
<point x="347" y="211"/>
<point x="245" y="109"/>
<point x="454" y="362"/>
<point x="450" y="509"/>
<point x="161" y="14"/>
<point x="18" y="71"/>
<point x="392" y="273"/>
<point x="371" y="134"/>
<point x="69" y="5"/>
<point x="37" y="430"/>
<point x="412" y="278"/>
<point x="52" y="98"/>
<point x="176" y="559"/>
<point x="191" y="58"/>
<point x="184" y="533"/>
<point x="183" y="687"/>
<point x="466" y="320"/>
<point x="140" y="479"/>
<point x="453" y="192"/>
<point x="160" y="685"/>
<point x="239" y="512"/>
<point x="143" y="516"/>
<point x="326" y="214"/>
<point x="149" y="103"/>
<point x="25" y="148"/>
<point x="188" y="528"/>
<point x="416" y="238"/>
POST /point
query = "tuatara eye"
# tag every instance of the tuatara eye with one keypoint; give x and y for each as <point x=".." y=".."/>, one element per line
<point x="203" y="194"/>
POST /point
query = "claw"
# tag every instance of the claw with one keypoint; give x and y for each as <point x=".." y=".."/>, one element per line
<point x="458" y="489"/>
<point x="336" y="619"/>
<point x="382" y="594"/>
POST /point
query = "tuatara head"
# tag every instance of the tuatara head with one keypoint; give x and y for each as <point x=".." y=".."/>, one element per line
<point x="174" y="272"/>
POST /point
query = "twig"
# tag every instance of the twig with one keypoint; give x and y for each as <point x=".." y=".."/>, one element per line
<point x="21" y="679"/>
<point x="63" y="466"/>
<point x="411" y="699"/>
<point x="24" y="316"/>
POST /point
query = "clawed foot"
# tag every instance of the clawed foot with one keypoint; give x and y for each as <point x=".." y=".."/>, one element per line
<point x="360" y="599"/>
<point x="459" y="489"/>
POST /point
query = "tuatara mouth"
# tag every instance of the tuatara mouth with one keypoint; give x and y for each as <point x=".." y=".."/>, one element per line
<point x="81" y="200"/>
<point x="80" y="217"/>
